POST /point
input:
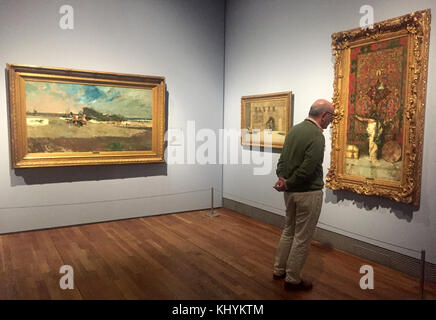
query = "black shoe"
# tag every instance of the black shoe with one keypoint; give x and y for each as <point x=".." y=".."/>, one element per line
<point x="302" y="286"/>
<point x="276" y="277"/>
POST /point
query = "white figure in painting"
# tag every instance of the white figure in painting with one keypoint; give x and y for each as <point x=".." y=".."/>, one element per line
<point x="374" y="130"/>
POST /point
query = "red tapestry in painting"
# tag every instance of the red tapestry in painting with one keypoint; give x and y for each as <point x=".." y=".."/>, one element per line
<point x="377" y="88"/>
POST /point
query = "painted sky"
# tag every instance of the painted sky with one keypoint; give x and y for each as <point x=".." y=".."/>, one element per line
<point x="56" y="97"/>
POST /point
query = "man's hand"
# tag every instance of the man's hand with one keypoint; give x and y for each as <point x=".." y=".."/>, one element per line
<point x="280" y="185"/>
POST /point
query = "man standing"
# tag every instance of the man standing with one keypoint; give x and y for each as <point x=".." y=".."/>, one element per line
<point x="301" y="178"/>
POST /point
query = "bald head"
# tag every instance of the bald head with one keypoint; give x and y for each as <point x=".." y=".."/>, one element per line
<point x="322" y="112"/>
<point x="319" y="107"/>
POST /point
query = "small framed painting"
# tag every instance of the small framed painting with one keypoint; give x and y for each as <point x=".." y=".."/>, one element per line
<point x="266" y="117"/>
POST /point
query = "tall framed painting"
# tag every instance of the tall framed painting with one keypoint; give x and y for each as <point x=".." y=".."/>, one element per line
<point x="65" y="117"/>
<point x="379" y="97"/>
<point x="266" y="117"/>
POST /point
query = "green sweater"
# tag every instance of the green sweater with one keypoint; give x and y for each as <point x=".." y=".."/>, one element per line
<point x="301" y="160"/>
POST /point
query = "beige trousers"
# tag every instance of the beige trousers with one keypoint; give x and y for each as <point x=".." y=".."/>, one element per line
<point x="302" y="214"/>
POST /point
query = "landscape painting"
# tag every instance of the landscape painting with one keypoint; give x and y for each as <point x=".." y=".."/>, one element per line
<point x="66" y="117"/>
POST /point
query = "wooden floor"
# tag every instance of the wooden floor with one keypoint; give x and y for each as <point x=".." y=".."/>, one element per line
<point x="180" y="256"/>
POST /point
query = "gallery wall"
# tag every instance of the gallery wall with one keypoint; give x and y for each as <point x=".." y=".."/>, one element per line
<point x="282" y="45"/>
<point x="180" y="40"/>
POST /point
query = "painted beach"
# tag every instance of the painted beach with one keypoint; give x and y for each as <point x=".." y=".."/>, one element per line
<point x="65" y="117"/>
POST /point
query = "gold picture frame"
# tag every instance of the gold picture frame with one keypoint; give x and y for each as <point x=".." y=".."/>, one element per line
<point x="66" y="117"/>
<point x="379" y="98"/>
<point x="266" y="114"/>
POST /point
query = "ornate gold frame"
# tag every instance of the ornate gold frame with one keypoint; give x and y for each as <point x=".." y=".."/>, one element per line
<point x="286" y="96"/>
<point x="21" y="158"/>
<point x="417" y="28"/>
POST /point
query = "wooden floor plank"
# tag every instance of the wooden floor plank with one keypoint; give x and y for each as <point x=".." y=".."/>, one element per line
<point x="180" y="256"/>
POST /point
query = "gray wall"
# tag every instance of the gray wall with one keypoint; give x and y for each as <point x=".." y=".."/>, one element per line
<point x="181" y="40"/>
<point x="280" y="45"/>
